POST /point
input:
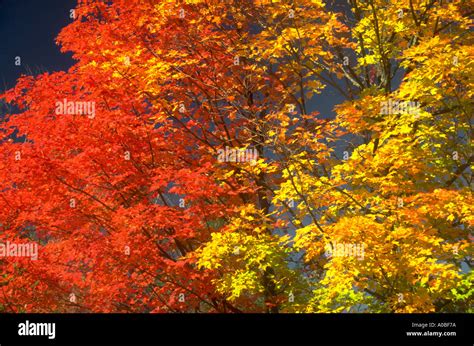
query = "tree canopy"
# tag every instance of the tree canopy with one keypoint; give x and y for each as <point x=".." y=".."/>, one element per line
<point x="183" y="162"/>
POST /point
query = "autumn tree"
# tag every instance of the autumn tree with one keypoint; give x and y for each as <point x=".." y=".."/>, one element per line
<point x="181" y="164"/>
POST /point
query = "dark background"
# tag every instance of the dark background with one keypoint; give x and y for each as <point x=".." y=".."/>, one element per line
<point x="28" y="28"/>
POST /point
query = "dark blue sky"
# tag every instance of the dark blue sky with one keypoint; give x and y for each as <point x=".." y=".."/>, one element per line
<point x="28" y="29"/>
